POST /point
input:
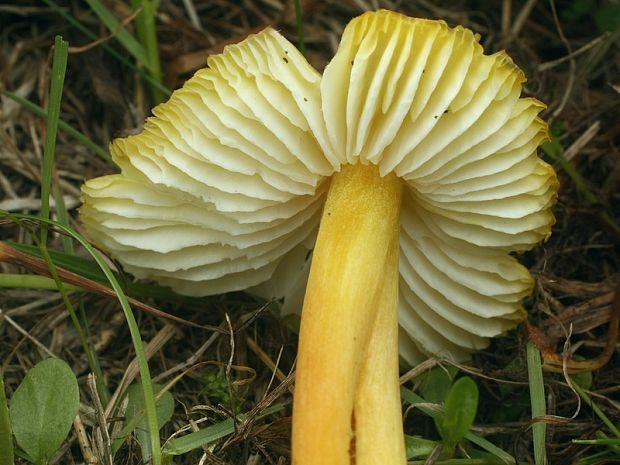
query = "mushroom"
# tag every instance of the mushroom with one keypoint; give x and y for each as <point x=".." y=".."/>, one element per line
<point x="409" y="169"/>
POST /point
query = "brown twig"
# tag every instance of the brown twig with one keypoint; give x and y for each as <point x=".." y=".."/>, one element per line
<point x="121" y="25"/>
<point x="559" y="363"/>
<point x="10" y="255"/>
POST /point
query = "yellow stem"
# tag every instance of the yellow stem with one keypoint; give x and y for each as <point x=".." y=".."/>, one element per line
<point x="378" y="419"/>
<point x="354" y="275"/>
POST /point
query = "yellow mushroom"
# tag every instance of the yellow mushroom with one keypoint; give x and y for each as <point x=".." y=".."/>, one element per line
<point x="409" y="169"/>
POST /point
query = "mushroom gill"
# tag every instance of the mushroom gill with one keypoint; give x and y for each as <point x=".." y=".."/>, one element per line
<point x="409" y="167"/>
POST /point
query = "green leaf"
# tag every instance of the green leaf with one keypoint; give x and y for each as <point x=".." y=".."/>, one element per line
<point x="418" y="447"/>
<point x="584" y="380"/>
<point x="607" y="17"/>
<point x="577" y="10"/>
<point x="43" y="408"/>
<point x="134" y="331"/>
<point x="459" y="411"/>
<point x="6" y="436"/>
<point x="210" y="434"/>
<point x="164" y="408"/>
<point x="435" y="383"/>
<point x="419" y="402"/>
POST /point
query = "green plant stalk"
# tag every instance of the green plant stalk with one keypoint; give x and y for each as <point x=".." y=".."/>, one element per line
<point x="197" y="439"/>
<point x="95" y="366"/>
<point x="613" y="444"/>
<point x="599" y="413"/>
<point x="598" y="442"/>
<point x="537" y="400"/>
<point x="299" y="21"/>
<point x="93" y="362"/>
<point x="121" y="34"/>
<point x="503" y="456"/>
<point x="63" y="218"/>
<point x="71" y="131"/>
<point x="91" y="35"/>
<point x="596" y="459"/>
<point x="128" y="427"/>
<point x="459" y="462"/>
<point x="6" y="436"/>
<point x="89" y="270"/>
<point x="556" y="153"/>
<point x="30" y="281"/>
<point x="48" y="186"/>
<point x="59" y="66"/>
<point x="147" y="35"/>
<point x="134" y="331"/>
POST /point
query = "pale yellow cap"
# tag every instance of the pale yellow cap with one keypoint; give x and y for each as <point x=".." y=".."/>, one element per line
<point x="223" y="188"/>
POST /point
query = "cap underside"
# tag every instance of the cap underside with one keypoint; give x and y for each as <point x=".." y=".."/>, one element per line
<point x="226" y="182"/>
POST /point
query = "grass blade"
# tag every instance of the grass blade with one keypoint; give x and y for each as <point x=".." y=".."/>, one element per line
<point x="212" y="433"/>
<point x="127" y="40"/>
<point x="59" y="66"/>
<point x="147" y="35"/>
<point x="598" y="442"/>
<point x="487" y="445"/>
<point x="63" y="126"/>
<point x="134" y="330"/>
<point x="117" y="56"/>
<point x="484" y="461"/>
<point x="31" y="281"/>
<point x="554" y="150"/>
<point x="599" y="413"/>
<point x="6" y="436"/>
<point x="63" y="217"/>
<point x="537" y="400"/>
<point x="481" y="442"/>
<point x="90" y="270"/>
<point x="299" y="21"/>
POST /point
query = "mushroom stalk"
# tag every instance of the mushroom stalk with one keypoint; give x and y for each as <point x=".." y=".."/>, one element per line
<point x="222" y="191"/>
<point x="378" y="416"/>
<point x="348" y="338"/>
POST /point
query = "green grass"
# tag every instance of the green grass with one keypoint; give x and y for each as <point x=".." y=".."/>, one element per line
<point x="145" y="49"/>
<point x="500" y="455"/>
<point x="48" y="186"/>
<point x="132" y="324"/>
<point x="6" y="436"/>
<point x="62" y="225"/>
<point x="59" y="67"/>
<point x="537" y="399"/>
<point x="299" y="22"/>
<point x="139" y="65"/>
<point x="147" y="35"/>
<point x="142" y="50"/>
<point x="62" y="125"/>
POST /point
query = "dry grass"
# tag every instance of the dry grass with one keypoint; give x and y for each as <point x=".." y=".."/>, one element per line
<point x="571" y="65"/>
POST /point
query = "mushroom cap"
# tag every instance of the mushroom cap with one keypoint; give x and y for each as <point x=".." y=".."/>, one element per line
<point x="223" y="188"/>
